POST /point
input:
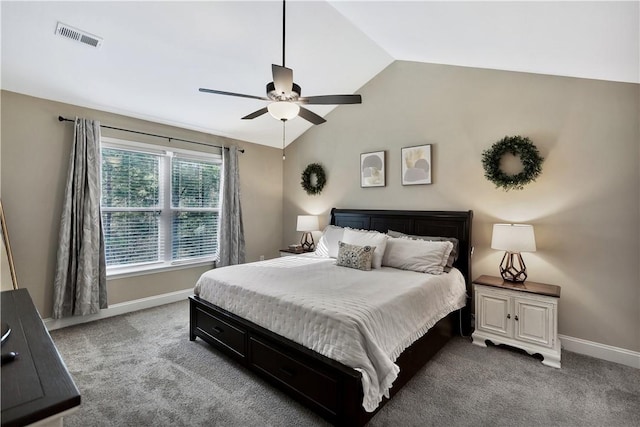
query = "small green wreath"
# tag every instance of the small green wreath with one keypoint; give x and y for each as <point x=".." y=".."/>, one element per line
<point x="518" y="146"/>
<point x="321" y="179"/>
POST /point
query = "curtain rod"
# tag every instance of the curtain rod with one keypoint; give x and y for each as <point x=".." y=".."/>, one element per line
<point x="63" y="119"/>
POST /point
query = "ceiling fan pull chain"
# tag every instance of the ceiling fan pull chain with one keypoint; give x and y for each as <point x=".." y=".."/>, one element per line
<point x="283" y="139"/>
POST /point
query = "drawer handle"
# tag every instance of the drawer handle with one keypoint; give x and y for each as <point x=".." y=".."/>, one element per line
<point x="508" y="316"/>
<point x="287" y="372"/>
<point x="217" y="330"/>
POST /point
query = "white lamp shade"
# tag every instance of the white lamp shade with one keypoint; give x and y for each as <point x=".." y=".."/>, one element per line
<point x="283" y="110"/>
<point x="513" y="238"/>
<point x="308" y="223"/>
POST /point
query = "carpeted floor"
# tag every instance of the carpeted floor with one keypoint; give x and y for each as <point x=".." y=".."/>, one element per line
<point x="140" y="369"/>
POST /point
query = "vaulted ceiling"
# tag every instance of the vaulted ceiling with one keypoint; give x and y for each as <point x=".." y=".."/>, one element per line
<point x="155" y="55"/>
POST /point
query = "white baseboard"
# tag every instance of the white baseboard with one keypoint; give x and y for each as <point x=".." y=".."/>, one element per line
<point x="601" y="351"/>
<point x="121" y="308"/>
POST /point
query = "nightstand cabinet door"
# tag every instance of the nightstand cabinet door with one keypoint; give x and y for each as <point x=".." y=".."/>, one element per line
<point x="494" y="313"/>
<point x="534" y="321"/>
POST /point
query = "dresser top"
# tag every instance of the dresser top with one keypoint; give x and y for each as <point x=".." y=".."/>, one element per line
<point x="36" y="385"/>
<point x="528" y="286"/>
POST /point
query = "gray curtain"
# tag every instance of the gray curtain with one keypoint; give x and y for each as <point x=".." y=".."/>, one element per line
<point x="80" y="285"/>
<point x="231" y="237"/>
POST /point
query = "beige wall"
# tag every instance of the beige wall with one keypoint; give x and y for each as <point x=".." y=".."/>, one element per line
<point x="35" y="151"/>
<point x="585" y="206"/>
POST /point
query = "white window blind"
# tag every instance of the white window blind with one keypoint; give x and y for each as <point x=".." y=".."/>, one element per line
<point x="195" y="188"/>
<point x="158" y="207"/>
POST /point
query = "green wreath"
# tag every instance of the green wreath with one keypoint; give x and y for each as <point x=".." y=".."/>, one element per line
<point x="518" y="146"/>
<point x="321" y="179"/>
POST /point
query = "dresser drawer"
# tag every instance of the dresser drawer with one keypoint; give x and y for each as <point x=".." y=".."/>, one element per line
<point x="312" y="383"/>
<point x="230" y="337"/>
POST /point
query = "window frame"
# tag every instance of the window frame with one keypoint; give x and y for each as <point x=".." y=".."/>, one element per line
<point x="165" y="236"/>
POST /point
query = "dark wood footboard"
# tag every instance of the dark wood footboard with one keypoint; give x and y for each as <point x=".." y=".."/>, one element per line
<point x="328" y="387"/>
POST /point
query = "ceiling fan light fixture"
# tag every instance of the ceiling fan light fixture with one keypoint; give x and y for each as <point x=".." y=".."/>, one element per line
<point x="283" y="110"/>
<point x="285" y="94"/>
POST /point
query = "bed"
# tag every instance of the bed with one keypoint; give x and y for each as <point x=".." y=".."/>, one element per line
<point x="331" y="388"/>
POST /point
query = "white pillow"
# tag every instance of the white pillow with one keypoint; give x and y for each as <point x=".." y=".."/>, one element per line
<point x="368" y="238"/>
<point x="417" y="255"/>
<point x="328" y="244"/>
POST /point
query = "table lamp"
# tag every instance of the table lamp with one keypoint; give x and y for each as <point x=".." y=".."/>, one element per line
<point x="513" y="239"/>
<point x="307" y="224"/>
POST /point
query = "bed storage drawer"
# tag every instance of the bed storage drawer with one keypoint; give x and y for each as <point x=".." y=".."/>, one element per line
<point x="230" y="337"/>
<point x="315" y="385"/>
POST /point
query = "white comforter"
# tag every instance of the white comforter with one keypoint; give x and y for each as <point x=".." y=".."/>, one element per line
<point x="363" y="319"/>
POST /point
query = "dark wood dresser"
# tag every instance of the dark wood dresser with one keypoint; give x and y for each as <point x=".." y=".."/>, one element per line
<point x="36" y="385"/>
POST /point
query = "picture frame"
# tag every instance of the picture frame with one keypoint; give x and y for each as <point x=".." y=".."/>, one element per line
<point x="372" y="169"/>
<point x="416" y="165"/>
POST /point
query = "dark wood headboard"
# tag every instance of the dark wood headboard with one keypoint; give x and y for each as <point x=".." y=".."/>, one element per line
<point x="421" y="223"/>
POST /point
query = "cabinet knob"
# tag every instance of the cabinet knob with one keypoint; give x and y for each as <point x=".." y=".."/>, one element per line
<point x="508" y="316"/>
<point x="516" y="317"/>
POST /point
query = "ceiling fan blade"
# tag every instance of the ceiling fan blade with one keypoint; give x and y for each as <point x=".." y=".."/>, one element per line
<point x="331" y="99"/>
<point x="255" y="114"/>
<point x="282" y="79"/>
<point x="221" y="92"/>
<point x="311" y="116"/>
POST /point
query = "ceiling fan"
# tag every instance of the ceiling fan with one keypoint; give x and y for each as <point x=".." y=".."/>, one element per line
<point x="284" y="94"/>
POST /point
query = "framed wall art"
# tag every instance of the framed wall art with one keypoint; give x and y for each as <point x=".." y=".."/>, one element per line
<point x="372" y="169"/>
<point x="416" y="165"/>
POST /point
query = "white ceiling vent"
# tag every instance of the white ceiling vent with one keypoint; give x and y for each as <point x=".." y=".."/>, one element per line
<point x="64" y="30"/>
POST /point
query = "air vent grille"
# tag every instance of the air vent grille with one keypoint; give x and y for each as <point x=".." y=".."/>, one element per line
<point x="80" y="36"/>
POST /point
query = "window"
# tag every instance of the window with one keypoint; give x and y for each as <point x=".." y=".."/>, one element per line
<point x="159" y="207"/>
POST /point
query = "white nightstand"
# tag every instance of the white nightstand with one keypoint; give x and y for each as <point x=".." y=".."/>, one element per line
<point x="522" y="315"/>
